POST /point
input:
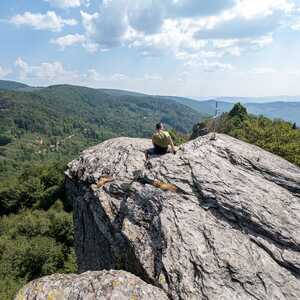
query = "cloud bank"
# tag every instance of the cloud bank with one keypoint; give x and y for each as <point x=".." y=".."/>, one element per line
<point x="49" y="21"/>
<point x="205" y="35"/>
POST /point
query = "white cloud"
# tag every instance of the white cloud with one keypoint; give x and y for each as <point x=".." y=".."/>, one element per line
<point x="68" y="3"/>
<point x="68" y="40"/>
<point x="118" y="21"/>
<point x="253" y="8"/>
<point x="46" y="72"/>
<point x="262" y="41"/>
<point x="215" y="66"/>
<point x="91" y="47"/>
<point x="153" y="24"/>
<point x="146" y="16"/>
<point x="24" y="68"/>
<point x="206" y="61"/>
<point x="118" y="77"/>
<point x="240" y="28"/>
<point x="4" y="72"/>
<point x="93" y="75"/>
<point x="174" y="37"/>
<point x="108" y="26"/>
<point x="246" y="27"/>
<point x="197" y="32"/>
<point x="206" y="65"/>
<point x="248" y="19"/>
<point x="194" y="58"/>
<point x="192" y="8"/>
<point x="49" y="21"/>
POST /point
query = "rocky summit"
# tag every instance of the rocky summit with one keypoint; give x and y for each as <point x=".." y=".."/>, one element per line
<point x="218" y="220"/>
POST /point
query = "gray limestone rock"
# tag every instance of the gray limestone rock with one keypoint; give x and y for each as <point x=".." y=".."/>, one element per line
<point x="229" y="230"/>
<point x="101" y="285"/>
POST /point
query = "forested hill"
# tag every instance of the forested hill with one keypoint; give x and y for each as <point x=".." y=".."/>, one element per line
<point x="61" y="120"/>
<point x="276" y="136"/>
<point x="12" y="85"/>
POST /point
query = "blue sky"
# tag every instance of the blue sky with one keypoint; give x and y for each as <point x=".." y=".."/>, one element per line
<point x="175" y="47"/>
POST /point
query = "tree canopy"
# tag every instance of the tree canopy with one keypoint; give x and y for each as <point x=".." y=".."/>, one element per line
<point x="277" y="136"/>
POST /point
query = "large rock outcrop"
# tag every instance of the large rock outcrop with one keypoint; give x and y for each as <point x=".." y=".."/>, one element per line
<point x="218" y="220"/>
<point x="103" y="285"/>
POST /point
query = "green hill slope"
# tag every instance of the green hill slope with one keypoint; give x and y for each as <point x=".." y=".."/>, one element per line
<point x="12" y="85"/>
<point x="59" y="121"/>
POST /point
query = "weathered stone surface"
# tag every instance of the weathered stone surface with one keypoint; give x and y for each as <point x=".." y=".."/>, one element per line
<point x="199" y="129"/>
<point x="103" y="285"/>
<point x="231" y="231"/>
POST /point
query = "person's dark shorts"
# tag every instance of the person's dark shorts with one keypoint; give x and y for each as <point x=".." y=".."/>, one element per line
<point x="156" y="150"/>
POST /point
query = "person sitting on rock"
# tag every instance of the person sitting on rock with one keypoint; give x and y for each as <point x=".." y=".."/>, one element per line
<point x="161" y="140"/>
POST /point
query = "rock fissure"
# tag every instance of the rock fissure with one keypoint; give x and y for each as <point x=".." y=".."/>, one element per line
<point x="251" y="231"/>
<point x="241" y="216"/>
<point x="285" y="264"/>
<point x="294" y="270"/>
<point x="234" y="279"/>
<point x="284" y="181"/>
<point x="198" y="275"/>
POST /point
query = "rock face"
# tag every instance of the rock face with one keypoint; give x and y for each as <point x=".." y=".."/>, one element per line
<point x="230" y="229"/>
<point x="114" y="285"/>
<point x="199" y="129"/>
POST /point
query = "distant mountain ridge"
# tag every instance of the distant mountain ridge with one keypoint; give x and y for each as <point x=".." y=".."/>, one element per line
<point x="255" y="99"/>
<point x="288" y="111"/>
<point x="12" y="85"/>
<point x="282" y="107"/>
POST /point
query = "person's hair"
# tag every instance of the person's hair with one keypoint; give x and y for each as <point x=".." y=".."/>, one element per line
<point x="159" y="126"/>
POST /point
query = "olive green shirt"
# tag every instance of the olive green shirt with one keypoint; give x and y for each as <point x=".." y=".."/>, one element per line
<point x="161" y="139"/>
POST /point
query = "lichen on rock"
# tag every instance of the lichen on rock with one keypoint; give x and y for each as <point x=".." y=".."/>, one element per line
<point x="102" y="285"/>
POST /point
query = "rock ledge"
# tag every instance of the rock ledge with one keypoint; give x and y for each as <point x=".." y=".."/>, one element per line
<point x="114" y="285"/>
